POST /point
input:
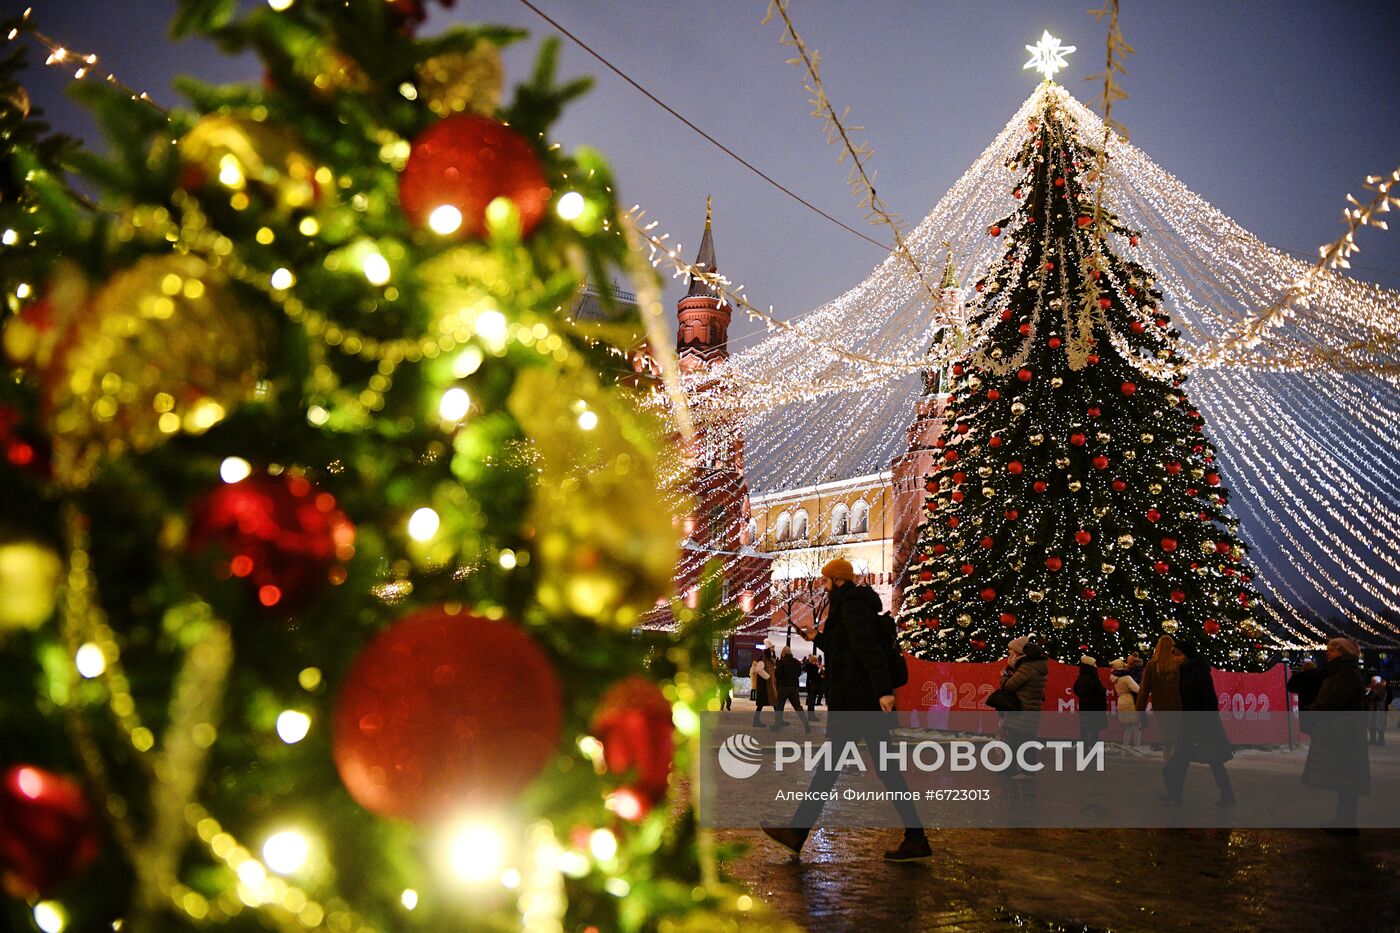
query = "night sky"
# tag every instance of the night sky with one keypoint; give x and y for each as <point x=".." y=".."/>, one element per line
<point x="1272" y="111"/>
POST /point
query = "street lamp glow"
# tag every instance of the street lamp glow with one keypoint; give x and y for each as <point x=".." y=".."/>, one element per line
<point x="286" y="852"/>
<point x="445" y="219"/>
<point x="570" y="206"/>
<point x="454" y="405"/>
<point x="292" y="726"/>
<point x="423" y="524"/>
<point x="1047" y="55"/>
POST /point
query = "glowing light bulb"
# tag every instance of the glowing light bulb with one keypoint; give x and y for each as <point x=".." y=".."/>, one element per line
<point x="280" y="5"/>
<point x="476" y="852"/>
<point x="467" y="362"/>
<point x="603" y="844"/>
<point x="445" y="219"/>
<point x="376" y="269"/>
<point x="570" y="206"/>
<point x="90" y="660"/>
<point x="491" y="326"/>
<point x="409" y="899"/>
<point x="230" y="172"/>
<point x="292" y="726"/>
<point x="283" y="279"/>
<point x="423" y="524"/>
<point x="50" y="917"/>
<point x="286" y="852"/>
<point x="454" y="405"/>
<point x="234" y="469"/>
<point x="9" y="238"/>
<point x="587" y="420"/>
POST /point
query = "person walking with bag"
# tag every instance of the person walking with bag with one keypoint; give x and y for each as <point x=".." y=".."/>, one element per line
<point x="1202" y="736"/>
<point x="859" y="685"/>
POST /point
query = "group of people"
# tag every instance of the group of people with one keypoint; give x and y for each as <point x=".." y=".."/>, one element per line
<point x="775" y="680"/>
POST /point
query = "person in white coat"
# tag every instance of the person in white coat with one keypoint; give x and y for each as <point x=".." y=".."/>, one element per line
<point x="1125" y="689"/>
<point x="760" y="679"/>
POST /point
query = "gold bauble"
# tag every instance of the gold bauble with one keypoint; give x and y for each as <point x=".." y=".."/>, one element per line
<point x="1130" y="455"/>
<point x="1140" y="593"/>
<point x="1059" y="621"/>
<point x="1104" y="437"/>
<point x="1061" y="462"/>
<point x="1125" y="541"/>
<point x="988" y="492"/>
<point x="954" y="595"/>
<point x="1147" y="438"/>
<point x="1036" y="439"/>
<point x="1056" y="382"/>
<point x="1207" y="547"/>
<point x="1169" y="626"/>
<point x="29" y="576"/>
<point x="455" y="81"/>
<point x="1198" y="473"/>
<point x="1036" y="596"/>
<point x="996" y="354"/>
<point x="1107" y="568"/>
<point x="1075" y="485"/>
<point x="1018" y="408"/>
<point x="984" y="471"/>
<point x="243" y="154"/>
<point x="964" y="620"/>
<point x="163" y="348"/>
<point x="1154" y="488"/>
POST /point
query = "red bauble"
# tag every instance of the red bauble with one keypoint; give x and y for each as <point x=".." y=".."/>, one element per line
<point x="989" y="594"/>
<point x="1014" y="468"/>
<point x="1059" y="182"/>
<point x="951" y="456"/>
<point x="1008" y="619"/>
<point x="1077" y="440"/>
<point x="1024" y="375"/>
<point x="466" y="161"/>
<point x="1105" y="302"/>
<point x="961" y="428"/>
<point x="1092" y="359"/>
<point x="967" y="570"/>
<point x="1213" y="479"/>
<point x="925" y="576"/>
<point x="1128" y="388"/>
<point x="1053" y="563"/>
<point x="1049" y="267"/>
<point x="993" y="395"/>
<point x="47" y="833"/>
<point x="976" y="644"/>
<point x="1101" y="462"/>
<point x="1082" y="537"/>
<point x="1119" y="485"/>
<point x="1085" y="221"/>
<point x="987" y="542"/>
<point x="445" y="712"/>
<point x="994" y="230"/>
<point x="1153" y="515"/>
<point x="1040" y="485"/>
<point x="1011" y="515"/>
<point x="1110" y="624"/>
<point x="994" y="442"/>
<point x="959" y="476"/>
<point x="1222" y="547"/>
<point x="1024" y="329"/>
<point x="1161" y="566"/>
<point x="1173" y="468"/>
<point x="280" y="534"/>
<point x="939" y="548"/>
<point x="931" y="485"/>
<point x="1178" y="596"/>
<point x="958" y="495"/>
<point x="1006" y="315"/>
<point x="953" y="521"/>
<point x="1094" y="412"/>
<point x="1054" y="343"/>
<point x="1138" y="327"/>
<point x="926" y="596"/>
<point x="1089" y="593"/>
<point x="633" y="723"/>
<point x="1211" y="627"/>
<point x="957" y="369"/>
<point x="1132" y="241"/>
<point x="1169" y="544"/>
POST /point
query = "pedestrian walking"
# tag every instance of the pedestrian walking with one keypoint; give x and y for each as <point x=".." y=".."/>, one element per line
<point x="859" y="686"/>
<point x="1125" y="691"/>
<point x="1337" y="757"/>
<point x="1161" y="686"/>
<point x="1024" y="679"/>
<point x="1202" y="736"/>
<point x="1093" y="701"/>
<point x="788" y="676"/>
<point x="759" y="682"/>
<point x="813" y="667"/>
<point x="1375" y="711"/>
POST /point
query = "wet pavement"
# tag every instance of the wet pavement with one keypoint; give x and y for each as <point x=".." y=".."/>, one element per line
<point x="1122" y="880"/>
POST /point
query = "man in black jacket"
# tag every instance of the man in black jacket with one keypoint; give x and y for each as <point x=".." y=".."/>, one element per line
<point x="789" y="675"/>
<point x="857" y="682"/>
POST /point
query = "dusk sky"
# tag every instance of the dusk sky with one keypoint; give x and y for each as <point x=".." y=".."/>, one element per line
<point x="1271" y="111"/>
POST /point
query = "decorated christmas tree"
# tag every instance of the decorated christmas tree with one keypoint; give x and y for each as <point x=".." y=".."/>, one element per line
<point x="326" y="531"/>
<point x="1077" y="496"/>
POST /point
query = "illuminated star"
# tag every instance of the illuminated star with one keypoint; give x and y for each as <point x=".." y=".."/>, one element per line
<point x="1048" y="56"/>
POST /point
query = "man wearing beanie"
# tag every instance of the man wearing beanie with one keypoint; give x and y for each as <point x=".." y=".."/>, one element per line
<point x="857" y="682"/>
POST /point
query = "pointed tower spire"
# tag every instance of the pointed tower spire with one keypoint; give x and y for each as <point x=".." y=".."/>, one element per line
<point x="705" y="259"/>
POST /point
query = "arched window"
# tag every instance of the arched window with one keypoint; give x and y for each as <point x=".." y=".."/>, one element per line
<point x="840" y="519"/>
<point x="783" y="529"/>
<point x="799" y="525"/>
<point x="860" y="518"/>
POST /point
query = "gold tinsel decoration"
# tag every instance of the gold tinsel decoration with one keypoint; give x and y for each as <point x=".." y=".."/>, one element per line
<point x="455" y="82"/>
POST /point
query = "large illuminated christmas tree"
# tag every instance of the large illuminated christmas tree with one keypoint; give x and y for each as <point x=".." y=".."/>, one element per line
<point x="1077" y="496"/>
<point x="325" y="530"/>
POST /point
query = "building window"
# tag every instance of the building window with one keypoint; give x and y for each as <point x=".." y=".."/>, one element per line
<point x="752" y="534"/>
<point x="799" y="525"/>
<point x="840" y="519"/>
<point x="783" y="529"/>
<point x="860" y="518"/>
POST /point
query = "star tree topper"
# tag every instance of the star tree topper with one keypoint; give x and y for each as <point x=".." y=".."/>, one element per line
<point x="1048" y="56"/>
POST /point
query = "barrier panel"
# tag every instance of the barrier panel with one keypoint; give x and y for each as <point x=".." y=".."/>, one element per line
<point x="952" y="696"/>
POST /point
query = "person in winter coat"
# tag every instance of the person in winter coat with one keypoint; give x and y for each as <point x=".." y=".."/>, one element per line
<point x="759" y="679"/>
<point x="1202" y="736"/>
<point x="789" y="675"/>
<point x="858" y="686"/>
<point x="1337" y="758"/>
<point x="1305" y="682"/>
<point x="1125" y="691"/>
<point x="1026" y="671"/>
<point x="1375" y="706"/>
<point x="1093" y="701"/>
<point x="1161" y="686"/>
<point x="813" y="666"/>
